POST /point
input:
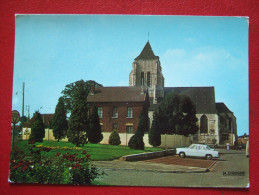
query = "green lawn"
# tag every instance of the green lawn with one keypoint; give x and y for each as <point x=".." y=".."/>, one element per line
<point x="97" y="151"/>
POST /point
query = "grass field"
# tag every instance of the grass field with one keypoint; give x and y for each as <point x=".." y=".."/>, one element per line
<point x="96" y="151"/>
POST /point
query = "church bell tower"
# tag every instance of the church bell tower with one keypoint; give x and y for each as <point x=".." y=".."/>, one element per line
<point x="147" y="72"/>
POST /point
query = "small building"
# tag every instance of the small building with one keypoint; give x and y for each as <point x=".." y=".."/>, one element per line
<point x="242" y="140"/>
<point x="118" y="107"/>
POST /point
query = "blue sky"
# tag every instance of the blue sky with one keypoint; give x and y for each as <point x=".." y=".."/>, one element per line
<point x="54" y="50"/>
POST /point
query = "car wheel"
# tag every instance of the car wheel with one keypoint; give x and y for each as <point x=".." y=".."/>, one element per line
<point x="208" y="157"/>
<point x="182" y="154"/>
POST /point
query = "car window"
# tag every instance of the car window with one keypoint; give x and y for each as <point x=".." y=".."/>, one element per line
<point x="208" y="148"/>
<point x="192" y="147"/>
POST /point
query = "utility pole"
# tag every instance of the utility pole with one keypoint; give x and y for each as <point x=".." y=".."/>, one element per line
<point x="28" y="111"/>
<point x="23" y="86"/>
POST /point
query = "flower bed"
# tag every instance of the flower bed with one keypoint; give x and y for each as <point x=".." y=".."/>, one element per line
<point x="63" y="169"/>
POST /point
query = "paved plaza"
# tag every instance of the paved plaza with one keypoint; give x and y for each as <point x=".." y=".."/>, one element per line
<point x="230" y="170"/>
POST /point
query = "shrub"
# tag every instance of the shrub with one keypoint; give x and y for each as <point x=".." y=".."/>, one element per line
<point x="37" y="131"/>
<point x="95" y="132"/>
<point x="114" y="138"/>
<point x="154" y="134"/>
<point x="136" y="143"/>
<point x="63" y="169"/>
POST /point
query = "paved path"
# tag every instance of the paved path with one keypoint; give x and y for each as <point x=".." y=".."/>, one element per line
<point x="156" y="174"/>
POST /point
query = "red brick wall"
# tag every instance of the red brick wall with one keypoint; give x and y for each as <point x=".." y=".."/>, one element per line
<point x="107" y="120"/>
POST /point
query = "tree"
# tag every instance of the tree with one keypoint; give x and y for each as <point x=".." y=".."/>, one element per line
<point x="78" y="121"/>
<point x="154" y="134"/>
<point x="189" y="120"/>
<point x="95" y="132"/>
<point x="177" y="115"/>
<point x="71" y="89"/>
<point x="136" y="141"/>
<point x="59" y="121"/>
<point x="23" y="119"/>
<point x="37" y="129"/>
<point x="114" y="138"/>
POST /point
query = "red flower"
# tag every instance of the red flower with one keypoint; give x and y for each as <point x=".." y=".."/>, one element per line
<point x="87" y="156"/>
<point x="58" y="154"/>
<point x="25" y="167"/>
<point x="76" y="166"/>
<point x="15" y="167"/>
<point x="84" y="152"/>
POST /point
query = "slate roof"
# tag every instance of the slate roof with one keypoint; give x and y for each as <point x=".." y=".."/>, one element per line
<point x="222" y="108"/>
<point x="147" y="53"/>
<point x="117" y="94"/>
<point x="202" y="97"/>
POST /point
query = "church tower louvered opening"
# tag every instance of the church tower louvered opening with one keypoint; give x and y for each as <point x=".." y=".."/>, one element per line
<point x="147" y="72"/>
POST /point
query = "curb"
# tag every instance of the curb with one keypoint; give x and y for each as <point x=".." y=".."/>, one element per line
<point x="157" y="171"/>
<point x="149" y="155"/>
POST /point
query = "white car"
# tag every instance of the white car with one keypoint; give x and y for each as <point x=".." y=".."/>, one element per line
<point x="197" y="150"/>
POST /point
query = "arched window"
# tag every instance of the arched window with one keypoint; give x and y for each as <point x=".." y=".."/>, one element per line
<point x="148" y="79"/>
<point x="204" y="124"/>
<point x="142" y="78"/>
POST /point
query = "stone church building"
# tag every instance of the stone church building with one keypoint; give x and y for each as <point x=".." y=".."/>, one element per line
<point x="119" y="107"/>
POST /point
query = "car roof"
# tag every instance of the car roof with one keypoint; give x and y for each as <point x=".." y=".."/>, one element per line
<point x="198" y="145"/>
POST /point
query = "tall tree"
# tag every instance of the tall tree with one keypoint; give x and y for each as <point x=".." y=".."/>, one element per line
<point x="37" y="129"/>
<point x="154" y="134"/>
<point x="189" y="121"/>
<point x="177" y="115"/>
<point x="95" y="132"/>
<point x="78" y="121"/>
<point x="136" y="141"/>
<point x="71" y="89"/>
<point x="59" y="121"/>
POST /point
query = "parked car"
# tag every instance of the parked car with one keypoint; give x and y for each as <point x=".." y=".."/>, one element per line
<point x="197" y="150"/>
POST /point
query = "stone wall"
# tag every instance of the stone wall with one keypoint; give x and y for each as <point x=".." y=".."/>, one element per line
<point x="213" y="129"/>
<point x="167" y="141"/>
<point x="48" y="135"/>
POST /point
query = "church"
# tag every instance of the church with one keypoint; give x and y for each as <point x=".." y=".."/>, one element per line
<point x="119" y="107"/>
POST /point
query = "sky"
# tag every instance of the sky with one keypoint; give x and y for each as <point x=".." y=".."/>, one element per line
<point x="52" y="51"/>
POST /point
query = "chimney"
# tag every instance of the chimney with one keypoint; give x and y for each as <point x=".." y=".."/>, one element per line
<point x="92" y="92"/>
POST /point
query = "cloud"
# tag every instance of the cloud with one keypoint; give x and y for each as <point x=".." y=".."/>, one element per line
<point x="202" y="66"/>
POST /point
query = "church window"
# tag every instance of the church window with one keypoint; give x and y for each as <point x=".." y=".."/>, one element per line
<point x="130" y="112"/>
<point x="100" y="112"/>
<point x="115" y="112"/>
<point x="129" y="129"/>
<point x="142" y="78"/>
<point x="114" y="126"/>
<point x="204" y="124"/>
<point x="148" y="79"/>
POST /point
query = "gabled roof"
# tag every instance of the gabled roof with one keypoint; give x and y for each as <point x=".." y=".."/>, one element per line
<point x="147" y="53"/>
<point x="117" y="94"/>
<point x="222" y="108"/>
<point x="202" y="97"/>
